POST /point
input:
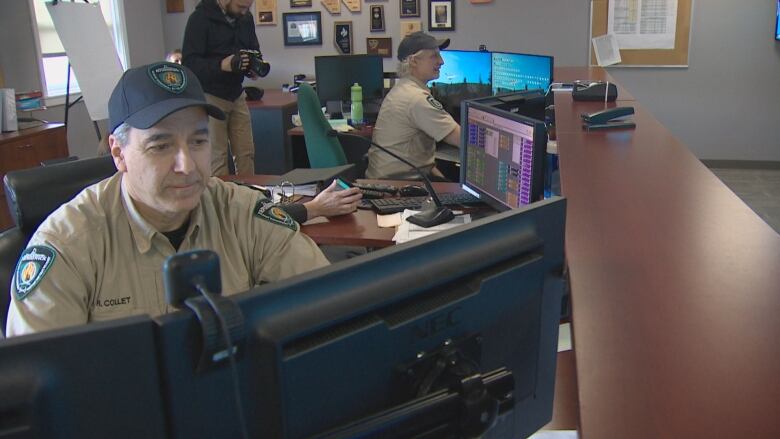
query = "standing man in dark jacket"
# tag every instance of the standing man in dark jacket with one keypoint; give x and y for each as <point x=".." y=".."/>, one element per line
<point x="216" y="32"/>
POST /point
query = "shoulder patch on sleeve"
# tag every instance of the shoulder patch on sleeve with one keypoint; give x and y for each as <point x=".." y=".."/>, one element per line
<point x="434" y="103"/>
<point x="274" y="214"/>
<point x="31" y="268"/>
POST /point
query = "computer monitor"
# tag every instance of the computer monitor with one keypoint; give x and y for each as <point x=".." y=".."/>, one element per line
<point x="529" y="103"/>
<point x="520" y="71"/>
<point x="336" y="74"/>
<point x="464" y="75"/>
<point x="777" y="22"/>
<point x="91" y="381"/>
<point x="502" y="156"/>
<point x="383" y="342"/>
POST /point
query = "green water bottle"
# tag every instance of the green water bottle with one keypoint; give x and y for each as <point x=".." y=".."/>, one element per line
<point x="357" y="104"/>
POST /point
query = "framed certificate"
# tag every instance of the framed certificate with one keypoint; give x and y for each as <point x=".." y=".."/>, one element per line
<point x="377" y="13"/>
<point x="342" y="37"/>
<point x="410" y="8"/>
<point x="441" y="15"/>
<point x="302" y="28"/>
<point x="380" y="46"/>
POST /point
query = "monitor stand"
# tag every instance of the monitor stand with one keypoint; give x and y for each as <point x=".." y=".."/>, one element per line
<point x="467" y="407"/>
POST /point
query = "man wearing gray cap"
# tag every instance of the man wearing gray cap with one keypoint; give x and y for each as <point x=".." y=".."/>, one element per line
<point x="100" y="256"/>
<point x="410" y="120"/>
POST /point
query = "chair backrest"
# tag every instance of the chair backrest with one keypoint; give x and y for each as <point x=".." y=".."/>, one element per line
<point x="323" y="151"/>
<point x="12" y="242"/>
<point x="33" y="194"/>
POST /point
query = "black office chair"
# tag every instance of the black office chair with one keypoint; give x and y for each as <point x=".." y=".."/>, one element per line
<point x="32" y="195"/>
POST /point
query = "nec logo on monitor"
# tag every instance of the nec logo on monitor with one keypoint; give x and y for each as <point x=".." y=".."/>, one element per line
<point x="436" y="324"/>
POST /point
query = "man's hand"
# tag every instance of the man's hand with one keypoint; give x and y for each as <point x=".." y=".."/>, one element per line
<point x="235" y="63"/>
<point x="331" y="202"/>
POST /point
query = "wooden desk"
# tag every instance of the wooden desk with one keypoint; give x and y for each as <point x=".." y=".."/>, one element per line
<point x="271" y="118"/>
<point x="358" y="228"/>
<point x="675" y="288"/>
<point x="27" y="149"/>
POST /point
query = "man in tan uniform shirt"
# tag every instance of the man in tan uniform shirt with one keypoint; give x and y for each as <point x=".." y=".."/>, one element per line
<point x="411" y="121"/>
<point x="100" y="256"/>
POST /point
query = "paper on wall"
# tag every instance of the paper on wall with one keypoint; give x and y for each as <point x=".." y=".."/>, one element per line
<point x="643" y="24"/>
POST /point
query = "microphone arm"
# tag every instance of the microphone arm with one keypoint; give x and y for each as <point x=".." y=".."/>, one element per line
<point x="426" y="181"/>
<point x="440" y="215"/>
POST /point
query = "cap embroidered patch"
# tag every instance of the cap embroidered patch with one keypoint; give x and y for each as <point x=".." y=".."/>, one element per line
<point x="434" y="103"/>
<point x="32" y="266"/>
<point x="168" y="77"/>
<point x="274" y="214"/>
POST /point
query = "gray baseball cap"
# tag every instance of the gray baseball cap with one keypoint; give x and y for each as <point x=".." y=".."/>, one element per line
<point x="417" y="41"/>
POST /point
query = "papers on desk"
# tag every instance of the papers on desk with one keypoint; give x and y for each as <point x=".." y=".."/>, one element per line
<point x="408" y="231"/>
<point x="554" y="434"/>
<point x="340" y="125"/>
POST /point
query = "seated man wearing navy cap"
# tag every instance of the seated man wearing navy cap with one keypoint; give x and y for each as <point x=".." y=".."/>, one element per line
<point x="411" y="121"/>
<point x="100" y="256"/>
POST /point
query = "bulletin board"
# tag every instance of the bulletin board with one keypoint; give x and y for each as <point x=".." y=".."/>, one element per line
<point x="675" y="57"/>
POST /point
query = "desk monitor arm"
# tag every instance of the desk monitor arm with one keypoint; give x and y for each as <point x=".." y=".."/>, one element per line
<point x="449" y="397"/>
<point x="427" y="218"/>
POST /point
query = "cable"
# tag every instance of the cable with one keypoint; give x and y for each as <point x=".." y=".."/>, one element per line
<point x="231" y="352"/>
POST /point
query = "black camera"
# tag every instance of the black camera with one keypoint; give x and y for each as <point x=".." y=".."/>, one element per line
<point x="256" y="63"/>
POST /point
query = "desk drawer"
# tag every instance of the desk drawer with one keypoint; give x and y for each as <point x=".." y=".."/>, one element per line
<point x="28" y="151"/>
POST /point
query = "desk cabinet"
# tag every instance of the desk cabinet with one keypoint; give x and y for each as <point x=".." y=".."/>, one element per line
<point x="271" y="118"/>
<point x="27" y="149"/>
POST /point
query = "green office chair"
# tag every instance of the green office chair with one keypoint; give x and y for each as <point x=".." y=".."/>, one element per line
<point x="323" y="151"/>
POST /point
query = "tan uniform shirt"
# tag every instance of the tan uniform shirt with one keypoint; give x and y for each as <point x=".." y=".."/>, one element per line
<point x="410" y="123"/>
<point x="96" y="258"/>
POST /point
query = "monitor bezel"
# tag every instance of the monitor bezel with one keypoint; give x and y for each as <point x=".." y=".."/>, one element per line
<point x="540" y="150"/>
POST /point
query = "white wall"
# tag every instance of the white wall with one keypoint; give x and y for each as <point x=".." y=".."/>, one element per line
<point x="20" y="65"/>
<point x="726" y="104"/>
<point x="501" y="25"/>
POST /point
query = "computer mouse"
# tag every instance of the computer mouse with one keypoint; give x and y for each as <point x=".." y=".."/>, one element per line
<point x="412" y="190"/>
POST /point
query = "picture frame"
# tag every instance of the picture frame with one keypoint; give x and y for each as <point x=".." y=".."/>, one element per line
<point x="300" y="3"/>
<point x="377" y="17"/>
<point x="379" y="46"/>
<point x="302" y="28"/>
<point x="410" y="8"/>
<point x="342" y="37"/>
<point x="441" y="15"/>
<point x="266" y="12"/>
<point x="410" y="27"/>
<point x="172" y="6"/>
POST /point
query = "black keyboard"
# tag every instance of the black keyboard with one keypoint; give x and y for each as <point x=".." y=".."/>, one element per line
<point x="384" y="206"/>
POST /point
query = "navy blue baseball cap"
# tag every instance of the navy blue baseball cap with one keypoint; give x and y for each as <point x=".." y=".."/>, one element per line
<point x="418" y="41"/>
<point x="147" y="94"/>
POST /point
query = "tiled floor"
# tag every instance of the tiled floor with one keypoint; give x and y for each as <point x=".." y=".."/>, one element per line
<point x="758" y="188"/>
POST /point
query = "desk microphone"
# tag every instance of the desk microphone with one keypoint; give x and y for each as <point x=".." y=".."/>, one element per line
<point x="427" y="218"/>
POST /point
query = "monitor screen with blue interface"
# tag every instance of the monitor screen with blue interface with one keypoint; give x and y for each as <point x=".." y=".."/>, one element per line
<point x="518" y="71"/>
<point x="777" y="23"/>
<point x="464" y="75"/>
<point x="502" y="156"/>
<point x="464" y="67"/>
